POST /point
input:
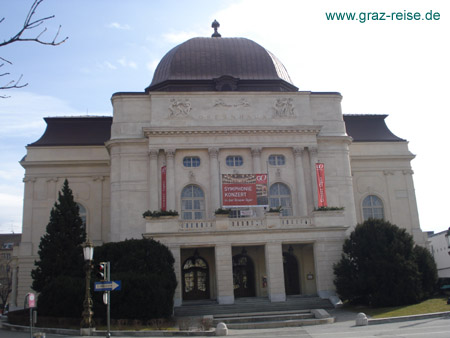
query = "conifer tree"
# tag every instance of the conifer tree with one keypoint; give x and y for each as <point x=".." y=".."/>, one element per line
<point x="60" y="251"/>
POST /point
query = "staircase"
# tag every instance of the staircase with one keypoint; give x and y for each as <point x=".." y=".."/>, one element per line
<point x="264" y="320"/>
<point x="251" y="306"/>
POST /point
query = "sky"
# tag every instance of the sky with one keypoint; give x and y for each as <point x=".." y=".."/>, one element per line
<point x="396" y="67"/>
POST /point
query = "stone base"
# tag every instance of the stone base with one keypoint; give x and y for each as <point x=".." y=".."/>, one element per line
<point x="277" y="297"/>
<point x="87" y="331"/>
<point x="226" y="300"/>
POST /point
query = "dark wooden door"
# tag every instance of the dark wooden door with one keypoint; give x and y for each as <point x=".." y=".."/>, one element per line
<point x="291" y="277"/>
<point x="243" y="276"/>
<point x="195" y="279"/>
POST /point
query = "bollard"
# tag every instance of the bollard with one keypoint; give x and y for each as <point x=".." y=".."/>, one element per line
<point x="39" y="335"/>
<point x="361" y="319"/>
<point x="221" y="329"/>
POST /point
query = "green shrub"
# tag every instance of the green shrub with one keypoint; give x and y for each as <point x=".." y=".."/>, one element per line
<point x="145" y="268"/>
<point x="378" y="266"/>
<point x="428" y="271"/>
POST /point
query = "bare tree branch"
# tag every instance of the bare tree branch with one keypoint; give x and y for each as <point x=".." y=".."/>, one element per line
<point x="29" y="24"/>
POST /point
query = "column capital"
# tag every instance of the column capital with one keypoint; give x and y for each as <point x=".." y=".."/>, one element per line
<point x="313" y="150"/>
<point x="213" y="152"/>
<point x="298" y="151"/>
<point x="256" y="151"/>
<point x="170" y="153"/>
<point x="153" y="153"/>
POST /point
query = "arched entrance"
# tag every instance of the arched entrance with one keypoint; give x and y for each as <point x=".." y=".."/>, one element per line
<point x="291" y="276"/>
<point x="195" y="278"/>
<point x="243" y="275"/>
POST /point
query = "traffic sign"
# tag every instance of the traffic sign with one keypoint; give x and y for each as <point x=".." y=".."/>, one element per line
<point x="114" y="285"/>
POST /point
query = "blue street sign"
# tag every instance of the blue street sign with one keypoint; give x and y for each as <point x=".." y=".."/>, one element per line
<point x="114" y="285"/>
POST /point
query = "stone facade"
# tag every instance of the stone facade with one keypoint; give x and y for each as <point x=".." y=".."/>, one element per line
<point x="261" y="254"/>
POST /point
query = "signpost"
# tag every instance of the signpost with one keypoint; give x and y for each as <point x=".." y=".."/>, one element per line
<point x="30" y="302"/>
<point x="106" y="286"/>
<point x="114" y="285"/>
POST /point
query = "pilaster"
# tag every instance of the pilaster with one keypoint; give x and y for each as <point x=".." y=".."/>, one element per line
<point x="275" y="273"/>
<point x="224" y="274"/>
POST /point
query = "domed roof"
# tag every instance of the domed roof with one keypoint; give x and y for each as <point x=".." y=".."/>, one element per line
<point x="210" y="64"/>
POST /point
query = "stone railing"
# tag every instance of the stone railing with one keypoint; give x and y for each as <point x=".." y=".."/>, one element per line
<point x="270" y="221"/>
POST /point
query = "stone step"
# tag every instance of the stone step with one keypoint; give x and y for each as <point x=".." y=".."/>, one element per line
<point x="262" y="318"/>
<point x="276" y="324"/>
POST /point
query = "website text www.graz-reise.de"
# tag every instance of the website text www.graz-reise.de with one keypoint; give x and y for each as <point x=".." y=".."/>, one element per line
<point x="363" y="17"/>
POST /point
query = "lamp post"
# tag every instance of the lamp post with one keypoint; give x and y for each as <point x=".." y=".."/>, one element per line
<point x="88" y="252"/>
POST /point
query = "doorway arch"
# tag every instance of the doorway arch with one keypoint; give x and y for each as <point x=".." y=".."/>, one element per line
<point x="195" y="278"/>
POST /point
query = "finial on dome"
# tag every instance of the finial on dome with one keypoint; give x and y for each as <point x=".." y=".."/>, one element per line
<point x="215" y="25"/>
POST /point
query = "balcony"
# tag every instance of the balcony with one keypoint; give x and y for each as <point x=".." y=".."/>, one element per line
<point x="225" y="224"/>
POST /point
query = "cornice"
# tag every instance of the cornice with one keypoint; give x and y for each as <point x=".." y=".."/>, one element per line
<point x="228" y="130"/>
<point x="381" y="157"/>
<point x="78" y="163"/>
<point x="342" y="138"/>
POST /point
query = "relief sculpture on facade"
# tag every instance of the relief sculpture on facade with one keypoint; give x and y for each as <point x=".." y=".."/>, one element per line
<point x="284" y="107"/>
<point x="179" y="108"/>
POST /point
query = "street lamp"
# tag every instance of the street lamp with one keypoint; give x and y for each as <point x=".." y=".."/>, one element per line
<point x="88" y="252"/>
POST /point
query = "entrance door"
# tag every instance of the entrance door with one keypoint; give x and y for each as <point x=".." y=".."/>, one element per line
<point x="243" y="276"/>
<point x="291" y="280"/>
<point x="195" y="278"/>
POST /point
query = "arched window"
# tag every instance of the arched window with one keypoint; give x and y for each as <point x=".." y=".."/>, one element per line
<point x="192" y="202"/>
<point x="280" y="195"/>
<point x="372" y="207"/>
<point x="82" y="213"/>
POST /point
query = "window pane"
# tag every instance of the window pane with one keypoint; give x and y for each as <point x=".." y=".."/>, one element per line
<point x="272" y="160"/>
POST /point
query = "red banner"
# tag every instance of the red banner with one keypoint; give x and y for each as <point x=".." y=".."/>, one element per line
<point x="249" y="190"/>
<point x="321" y="192"/>
<point x="163" y="188"/>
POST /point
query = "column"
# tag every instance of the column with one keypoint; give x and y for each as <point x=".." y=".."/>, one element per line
<point x="275" y="273"/>
<point x="170" y="163"/>
<point x="256" y="157"/>
<point x="224" y="274"/>
<point x="300" y="181"/>
<point x="153" y="179"/>
<point x="177" y="297"/>
<point x="214" y="184"/>
<point x="256" y="162"/>
<point x="313" y="157"/>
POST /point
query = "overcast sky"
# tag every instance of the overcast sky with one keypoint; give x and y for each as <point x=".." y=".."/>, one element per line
<point x="395" y="67"/>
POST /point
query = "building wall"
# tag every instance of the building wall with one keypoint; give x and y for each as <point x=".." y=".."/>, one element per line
<point x="117" y="183"/>
<point x="384" y="169"/>
<point x="439" y="247"/>
<point x="46" y="168"/>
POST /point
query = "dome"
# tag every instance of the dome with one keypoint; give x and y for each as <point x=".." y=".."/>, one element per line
<point x="220" y="64"/>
